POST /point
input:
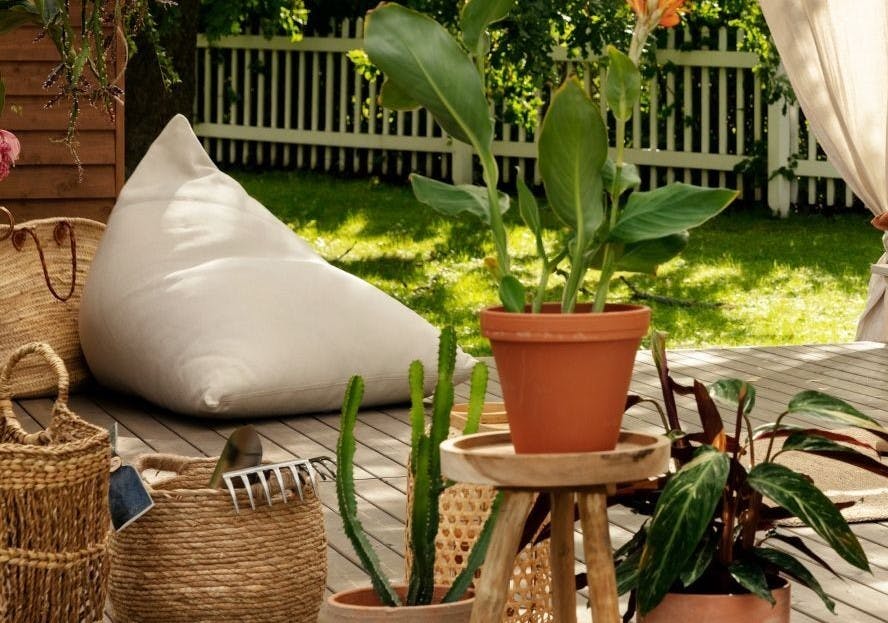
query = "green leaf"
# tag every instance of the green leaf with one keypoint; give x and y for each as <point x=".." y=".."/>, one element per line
<point x="511" y="293"/>
<point x="477" y="555"/>
<point x="476" y="16"/>
<point x="730" y="391"/>
<point x="683" y="513"/>
<point x="423" y="60"/>
<point x="572" y="150"/>
<point x="794" y="569"/>
<point x="395" y="97"/>
<point x="701" y="559"/>
<point x="629" y="177"/>
<point x="646" y="256"/>
<point x="814" y="443"/>
<point x="627" y="572"/>
<point x="796" y="494"/>
<point x="623" y="85"/>
<point x="528" y="208"/>
<point x="751" y="576"/>
<point x="669" y="210"/>
<point x="454" y="200"/>
<point x="802" y="441"/>
<point x="824" y="406"/>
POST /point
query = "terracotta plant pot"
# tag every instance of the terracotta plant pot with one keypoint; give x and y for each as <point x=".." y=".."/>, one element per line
<point x="722" y="608"/>
<point x="565" y="376"/>
<point x="362" y="605"/>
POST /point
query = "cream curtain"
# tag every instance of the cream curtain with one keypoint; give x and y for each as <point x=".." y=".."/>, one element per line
<point x="835" y="53"/>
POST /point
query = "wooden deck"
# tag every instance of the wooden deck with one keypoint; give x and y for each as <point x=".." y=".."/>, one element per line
<point x="856" y="372"/>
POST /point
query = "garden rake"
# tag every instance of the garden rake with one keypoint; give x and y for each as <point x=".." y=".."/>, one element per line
<point x="302" y="471"/>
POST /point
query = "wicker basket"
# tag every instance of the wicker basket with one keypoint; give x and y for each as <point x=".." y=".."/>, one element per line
<point x="463" y="510"/>
<point x="44" y="264"/>
<point x="191" y="558"/>
<point x="53" y="510"/>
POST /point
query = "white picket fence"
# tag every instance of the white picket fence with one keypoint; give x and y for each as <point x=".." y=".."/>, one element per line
<point x="272" y="103"/>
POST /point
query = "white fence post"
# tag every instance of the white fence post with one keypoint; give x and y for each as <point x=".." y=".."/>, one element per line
<point x="461" y="164"/>
<point x="779" y="151"/>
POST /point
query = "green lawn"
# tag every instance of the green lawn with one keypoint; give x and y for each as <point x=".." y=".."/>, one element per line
<point x="751" y="278"/>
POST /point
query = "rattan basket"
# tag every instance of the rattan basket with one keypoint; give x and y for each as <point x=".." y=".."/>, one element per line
<point x="44" y="264"/>
<point x="191" y="558"/>
<point x="53" y="510"/>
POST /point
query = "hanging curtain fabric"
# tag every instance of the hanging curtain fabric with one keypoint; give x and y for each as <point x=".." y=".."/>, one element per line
<point x="835" y="53"/>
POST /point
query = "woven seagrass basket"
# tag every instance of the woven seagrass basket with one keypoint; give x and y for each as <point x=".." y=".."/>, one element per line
<point x="463" y="510"/>
<point x="44" y="264"/>
<point x="192" y="559"/>
<point x="53" y="510"/>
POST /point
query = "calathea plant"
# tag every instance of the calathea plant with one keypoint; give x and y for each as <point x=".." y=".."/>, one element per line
<point x="425" y="466"/>
<point x="711" y="530"/>
<point x="609" y="225"/>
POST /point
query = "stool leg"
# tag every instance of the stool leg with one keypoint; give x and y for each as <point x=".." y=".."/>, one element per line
<point x="599" y="555"/>
<point x="493" y="586"/>
<point x="561" y="557"/>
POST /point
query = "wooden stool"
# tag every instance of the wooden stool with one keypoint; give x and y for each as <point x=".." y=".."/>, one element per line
<point x="490" y="459"/>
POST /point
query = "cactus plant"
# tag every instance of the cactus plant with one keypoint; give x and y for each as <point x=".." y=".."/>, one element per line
<point x="425" y="467"/>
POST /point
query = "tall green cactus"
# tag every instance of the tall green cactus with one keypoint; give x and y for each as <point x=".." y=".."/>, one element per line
<point x="345" y="493"/>
<point x="425" y="466"/>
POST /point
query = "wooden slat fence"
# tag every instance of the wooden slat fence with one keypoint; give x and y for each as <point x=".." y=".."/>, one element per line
<point x="273" y="103"/>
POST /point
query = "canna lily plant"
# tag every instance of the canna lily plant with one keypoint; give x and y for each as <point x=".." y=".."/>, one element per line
<point x="610" y="225"/>
<point x="711" y="529"/>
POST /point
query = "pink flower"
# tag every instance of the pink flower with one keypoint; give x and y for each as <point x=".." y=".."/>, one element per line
<point x="9" y="152"/>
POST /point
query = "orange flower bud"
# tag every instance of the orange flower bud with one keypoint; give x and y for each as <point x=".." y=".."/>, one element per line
<point x="670" y="10"/>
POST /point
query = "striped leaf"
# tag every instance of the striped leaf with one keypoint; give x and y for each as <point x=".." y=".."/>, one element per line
<point x="796" y="494"/>
<point x="824" y="406"/>
<point x="794" y="569"/>
<point x="681" y="517"/>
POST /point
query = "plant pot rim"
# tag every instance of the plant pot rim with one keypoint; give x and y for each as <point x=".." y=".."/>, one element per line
<point x="617" y="322"/>
<point x="335" y="600"/>
<point x="553" y="309"/>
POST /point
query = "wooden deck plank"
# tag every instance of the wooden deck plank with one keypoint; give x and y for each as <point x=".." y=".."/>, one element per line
<point x="855" y="372"/>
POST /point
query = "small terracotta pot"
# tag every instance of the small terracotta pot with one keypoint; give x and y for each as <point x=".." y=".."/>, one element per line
<point x="493" y="416"/>
<point x="362" y="605"/>
<point x="565" y="376"/>
<point x="722" y="608"/>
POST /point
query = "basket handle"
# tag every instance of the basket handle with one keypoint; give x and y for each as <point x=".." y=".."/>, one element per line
<point x="11" y="223"/>
<point x="45" y="351"/>
<point x="62" y="228"/>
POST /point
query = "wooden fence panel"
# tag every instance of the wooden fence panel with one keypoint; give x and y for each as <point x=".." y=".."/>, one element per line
<point x="702" y="118"/>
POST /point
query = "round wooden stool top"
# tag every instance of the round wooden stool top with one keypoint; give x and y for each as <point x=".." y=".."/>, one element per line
<point x="490" y="459"/>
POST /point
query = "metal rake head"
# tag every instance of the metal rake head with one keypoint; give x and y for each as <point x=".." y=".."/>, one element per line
<point x="302" y="471"/>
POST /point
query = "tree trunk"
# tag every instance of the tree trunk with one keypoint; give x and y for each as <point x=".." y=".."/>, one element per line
<point x="149" y="106"/>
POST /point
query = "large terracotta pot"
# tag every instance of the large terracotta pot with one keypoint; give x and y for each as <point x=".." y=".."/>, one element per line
<point x="565" y="376"/>
<point x="363" y="606"/>
<point x="722" y="608"/>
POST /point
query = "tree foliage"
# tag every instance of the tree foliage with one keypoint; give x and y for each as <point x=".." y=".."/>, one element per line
<point x="521" y="67"/>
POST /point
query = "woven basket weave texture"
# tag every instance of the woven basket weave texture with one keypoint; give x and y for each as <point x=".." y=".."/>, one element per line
<point x="464" y="509"/>
<point x="54" y="518"/>
<point x="192" y="559"/>
<point x="28" y="310"/>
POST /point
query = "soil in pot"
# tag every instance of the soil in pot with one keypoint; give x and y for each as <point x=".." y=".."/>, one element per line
<point x="565" y="376"/>
<point x="724" y="608"/>
<point x="362" y="605"/>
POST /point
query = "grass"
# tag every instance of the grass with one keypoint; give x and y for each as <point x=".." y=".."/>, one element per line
<point x="748" y="278"/>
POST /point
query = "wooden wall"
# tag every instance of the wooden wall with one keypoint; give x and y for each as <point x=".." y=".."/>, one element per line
<point x="45" y="180"/>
